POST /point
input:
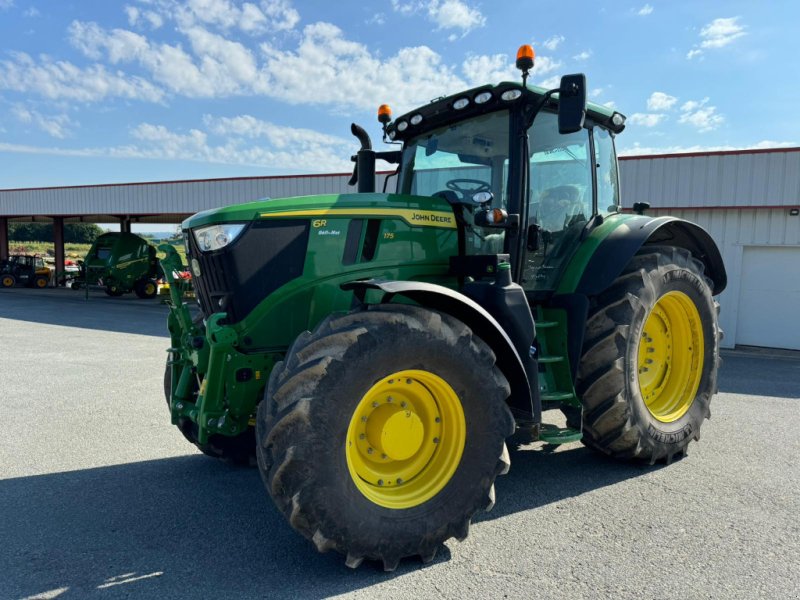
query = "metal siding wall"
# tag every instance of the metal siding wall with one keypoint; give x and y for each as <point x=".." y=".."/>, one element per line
<point x="733" y="230"/>
<point x="766" y="179"/>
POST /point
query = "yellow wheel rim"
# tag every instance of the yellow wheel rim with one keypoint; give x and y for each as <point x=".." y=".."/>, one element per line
<point x="671" y="352"/>
<point x="149" y="289"/>
<point x="7" y="282"/>
<point x="41" y="283"/>
<point x="405" y="439"/>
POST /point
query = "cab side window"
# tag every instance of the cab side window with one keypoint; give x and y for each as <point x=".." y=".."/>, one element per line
<point x="607" y="177"/>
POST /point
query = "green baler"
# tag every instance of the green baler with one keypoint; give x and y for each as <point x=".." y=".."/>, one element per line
<point x="373" y="351"/>
<point x="121" y="263"/>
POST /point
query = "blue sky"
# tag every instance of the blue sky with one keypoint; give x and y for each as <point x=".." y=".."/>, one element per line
<point x="96" y="92"/>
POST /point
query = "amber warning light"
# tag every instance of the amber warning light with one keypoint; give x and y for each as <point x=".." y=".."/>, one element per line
<point x="525" y="56"/>
<point x="384" y="113"/>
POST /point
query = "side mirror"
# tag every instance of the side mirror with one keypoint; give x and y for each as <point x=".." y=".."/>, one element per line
<point x="571" y="103"/>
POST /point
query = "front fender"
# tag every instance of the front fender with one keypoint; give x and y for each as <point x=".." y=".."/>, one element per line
<point x="469" y="312"/>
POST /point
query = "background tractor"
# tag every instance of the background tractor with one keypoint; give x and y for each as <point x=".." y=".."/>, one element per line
<point x="373" y="351"/>
<point x="26" y="270"/>
<point x="121" y="263"/>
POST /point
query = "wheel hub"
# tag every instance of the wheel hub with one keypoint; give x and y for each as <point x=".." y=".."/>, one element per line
<point x="671" y="356"/>
<point x="405" y="439"/>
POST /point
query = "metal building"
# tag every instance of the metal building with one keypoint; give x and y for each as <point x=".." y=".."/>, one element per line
<point x="748" y="200"/>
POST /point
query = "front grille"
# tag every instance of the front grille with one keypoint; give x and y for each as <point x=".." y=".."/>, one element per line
<point x="265" y="256"/>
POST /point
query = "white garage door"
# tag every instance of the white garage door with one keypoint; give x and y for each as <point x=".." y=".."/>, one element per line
<point x="769" y="301"/>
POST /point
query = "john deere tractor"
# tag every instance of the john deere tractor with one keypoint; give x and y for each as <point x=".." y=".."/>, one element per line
<point x="373" y="351"/>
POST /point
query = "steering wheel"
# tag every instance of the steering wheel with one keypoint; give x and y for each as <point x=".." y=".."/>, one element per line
<point x="467" y="193"/>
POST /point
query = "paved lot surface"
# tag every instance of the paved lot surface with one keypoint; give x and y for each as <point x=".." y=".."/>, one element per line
<point x="100" y="497"/>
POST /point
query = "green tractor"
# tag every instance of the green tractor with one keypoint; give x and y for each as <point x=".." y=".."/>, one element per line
<point x="121" y="263"/>
<point x="372" y="352"/>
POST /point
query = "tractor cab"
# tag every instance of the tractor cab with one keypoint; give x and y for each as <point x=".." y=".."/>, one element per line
<point x="523" y="184"/>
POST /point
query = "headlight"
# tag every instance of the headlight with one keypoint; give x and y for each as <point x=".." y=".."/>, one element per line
<point x="483" y="97"/>
<point x="416" y="119"/>
<point x="510" y="95"/>
<point x="215" y="237"/>
<point x="402" y="126"/>
<point x="461" y="103"/>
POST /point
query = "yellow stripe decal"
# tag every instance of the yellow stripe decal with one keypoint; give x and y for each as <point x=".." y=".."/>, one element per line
<point x="419" y="218"/>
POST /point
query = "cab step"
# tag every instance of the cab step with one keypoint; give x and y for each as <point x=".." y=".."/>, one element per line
<point x="550" y="359"/>
<point x="552" y="434"/>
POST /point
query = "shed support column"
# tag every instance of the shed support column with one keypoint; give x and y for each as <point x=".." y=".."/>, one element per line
<point x="3" y="238"/>
<point x="58" y="240"/>
<point x="125" y="224"/>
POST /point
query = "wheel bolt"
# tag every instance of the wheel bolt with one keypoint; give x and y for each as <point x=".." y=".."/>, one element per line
<point x="370" y="451"/>
<point x="384" y="457"/>
<point x="380" y="481"/>
<point x="362" y="436"/>
<point x="363" y="419"/>
<point x="390" y="399"/>
<point x="649" y="361"/>
<point x="374" y="405"/>
<point x="435" y="440"/>
<point x="391" y="381"/>
<point x="408" y="381"/>
<point x="438" y="419"/>
<point x="399" y="481"/>
<point x="403" y="404"/>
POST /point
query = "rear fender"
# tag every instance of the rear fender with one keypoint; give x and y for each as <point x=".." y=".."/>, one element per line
<point x="467" y="311"/>
<point x="619" y="247"/>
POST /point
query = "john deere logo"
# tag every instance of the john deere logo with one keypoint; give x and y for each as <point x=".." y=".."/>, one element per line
<point x="430" y="218"/>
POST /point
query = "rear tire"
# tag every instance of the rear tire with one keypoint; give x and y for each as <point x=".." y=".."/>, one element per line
<point x="650" y="358"/>
<point x="8" y="280"/>
<point x="114" y="291"/>
<point x="309" y="451"/>
<point x="40" y="282"/>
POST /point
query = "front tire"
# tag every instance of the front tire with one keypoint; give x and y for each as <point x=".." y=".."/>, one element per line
<point x="650" y="358"/>
<point x="382" y="433"/>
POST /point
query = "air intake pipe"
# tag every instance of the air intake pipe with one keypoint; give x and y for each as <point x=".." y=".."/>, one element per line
<point x="364" y="170"/>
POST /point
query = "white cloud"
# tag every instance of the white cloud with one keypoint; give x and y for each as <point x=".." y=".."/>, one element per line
<point x="583" y="55"/>
<point x="31" y="12"/>
<point x="376" y="19"/>
<point x="57" y="126"/>
<point x="646" y="119"/>
<point x="645" y="10"/>
<point x="64" y="81"/>
<point x="6" y="4"/>
<point x="481" y="69"/>
<point x="718" y="34"/>
<point x="700" y="115"/>
<point x="445" y="14"/>
<point x="223" y="67"/>
<point x="242" y="140"/>
<point x="660" y="101"/>
<point x="552" y="43"/>
<point x="596" y="92"/>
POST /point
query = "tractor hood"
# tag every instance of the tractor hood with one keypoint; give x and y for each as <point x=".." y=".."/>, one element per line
<point x="418" y="211"/>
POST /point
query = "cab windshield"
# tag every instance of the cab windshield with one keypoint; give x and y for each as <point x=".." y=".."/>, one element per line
<point x="455" y="162"/>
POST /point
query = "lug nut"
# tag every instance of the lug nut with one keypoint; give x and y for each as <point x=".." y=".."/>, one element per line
<point x="408" y="381"/>
<point x="399" y="481"/>
<point x="390" y="399"/>
<point x="370" y="450"/>
<point x="374" y="405"/>
<point x="363" y="419"/>
<point x="380" y="481"/>
<point x="403" y="404"/>
<point x="438" y="419"/>
<point x="435" y="440"/>
<point x="362" y="436"/>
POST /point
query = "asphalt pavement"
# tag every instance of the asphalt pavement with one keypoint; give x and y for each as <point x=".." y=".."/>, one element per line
<point x="101" y="497"/>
